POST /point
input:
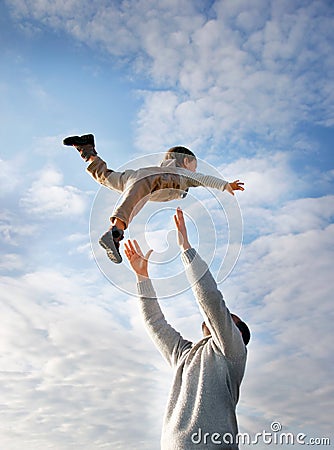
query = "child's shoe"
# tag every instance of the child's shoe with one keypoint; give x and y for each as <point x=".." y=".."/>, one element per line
<point x="84" y="144"/>
<point x="110" y="242"/>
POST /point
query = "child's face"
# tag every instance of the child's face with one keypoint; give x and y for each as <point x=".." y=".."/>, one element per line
<point x="190" y="164"/>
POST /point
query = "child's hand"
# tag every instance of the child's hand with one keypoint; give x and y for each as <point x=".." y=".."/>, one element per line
<point x="182" y="230"/>
<point x="137" y="260"/>
<point x="234" y="186"/>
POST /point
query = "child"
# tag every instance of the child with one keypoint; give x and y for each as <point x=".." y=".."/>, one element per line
<point x="171" y="180"/>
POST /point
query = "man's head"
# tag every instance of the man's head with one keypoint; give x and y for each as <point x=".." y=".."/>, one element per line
<point x="243" y="328"/>
<point x="183" y="156"/>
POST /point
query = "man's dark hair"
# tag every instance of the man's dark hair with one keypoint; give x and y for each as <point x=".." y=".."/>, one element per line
<point x="245" y="332"/>
<point x="179" y="153"/>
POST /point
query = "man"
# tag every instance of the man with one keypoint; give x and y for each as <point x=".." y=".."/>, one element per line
<point x="200" y="412"/>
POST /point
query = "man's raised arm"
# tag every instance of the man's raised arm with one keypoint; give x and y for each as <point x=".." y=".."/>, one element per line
<point x="217" y="317"/>
<point x="169" y="342"/>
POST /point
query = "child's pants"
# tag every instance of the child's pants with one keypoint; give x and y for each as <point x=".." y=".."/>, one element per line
<point x="139" y="186"/>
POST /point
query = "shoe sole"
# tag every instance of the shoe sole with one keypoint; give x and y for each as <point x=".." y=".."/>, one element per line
<point x="109" y="246"/>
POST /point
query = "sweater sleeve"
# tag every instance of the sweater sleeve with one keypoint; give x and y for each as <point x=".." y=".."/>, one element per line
<point x="225" y="333"/>
<point x="169" y="342"/>
<point x="195" y="179"/>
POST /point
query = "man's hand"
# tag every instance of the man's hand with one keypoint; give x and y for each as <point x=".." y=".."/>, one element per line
<point x="182" y="235"/>
<point x="234" y="186"/>
<point x="137" y="260"/>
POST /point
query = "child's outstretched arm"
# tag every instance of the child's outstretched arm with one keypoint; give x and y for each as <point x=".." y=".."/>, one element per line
<point x="195" y="179"/>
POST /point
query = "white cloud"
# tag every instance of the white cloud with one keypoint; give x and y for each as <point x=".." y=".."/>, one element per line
<point x="47" y="146"/>
<point x="165" y="103"/>
<point x="268" y="179"/>
<point x="304" y="214"/>
<point x="11" y="261"/>
<point x="237" y="69"/>
<point x="271" y="201"/>
<point x="81" y="244"/>
<point x="233" y="86"/>
<point x="287" y="285"/>
<point x="69" y="364"/>
<point x="47" y="196"/>
<point x="10" y="176"/>
<point x="13" y="229"/>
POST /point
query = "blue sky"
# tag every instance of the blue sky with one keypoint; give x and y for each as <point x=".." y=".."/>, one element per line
<point x="249" y="87"/>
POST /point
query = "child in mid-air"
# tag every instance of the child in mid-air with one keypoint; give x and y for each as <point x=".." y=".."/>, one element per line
<point x="169" y="181"/>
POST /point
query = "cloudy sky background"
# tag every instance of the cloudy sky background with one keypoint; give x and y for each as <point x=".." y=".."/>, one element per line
<point x="248" y="86"/>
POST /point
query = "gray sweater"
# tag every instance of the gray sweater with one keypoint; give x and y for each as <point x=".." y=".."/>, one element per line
<point x="200" y="412"/>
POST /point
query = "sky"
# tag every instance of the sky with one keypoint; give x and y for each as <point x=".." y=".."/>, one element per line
<point x="249" y="87"/>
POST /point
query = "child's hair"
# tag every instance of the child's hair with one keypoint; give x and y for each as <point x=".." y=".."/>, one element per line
<point x="179" y="153"/>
